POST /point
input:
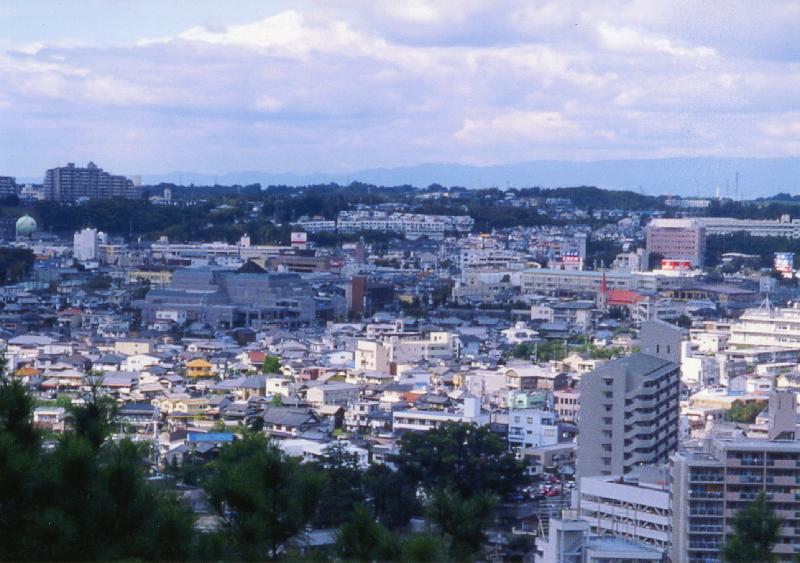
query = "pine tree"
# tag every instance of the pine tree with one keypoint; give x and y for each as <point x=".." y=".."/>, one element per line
<point x="755" y="532"/>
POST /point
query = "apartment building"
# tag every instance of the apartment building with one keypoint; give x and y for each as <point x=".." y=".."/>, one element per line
<point x="634" y="506"/>
<point x="768" y="326"/>
<point x="628" y="415"/>
<point x="71" y="183"/>
<point x="785" y="226"/>
<point x="419" y="420"/>
<point x="715" y="478"/>
<point x="532" y="428"/>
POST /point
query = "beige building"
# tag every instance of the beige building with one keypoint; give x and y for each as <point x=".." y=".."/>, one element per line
<point x="677" y="239"/>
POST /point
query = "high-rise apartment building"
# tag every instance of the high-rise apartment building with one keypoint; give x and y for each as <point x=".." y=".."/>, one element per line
<point x="85" y="244"/>
<point x="715" y="478"/>
<point x="8" y="186"/>
<point x="628" y="415"/>
<point x="71" y="183"/>
<point x="677" y="239"/>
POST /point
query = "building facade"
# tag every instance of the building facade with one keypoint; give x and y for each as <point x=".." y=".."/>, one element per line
<point x="677" y="239"/>
<point x="628" y="415"/>
<point x="71" y="183"/>
<point x="715" y="478"/>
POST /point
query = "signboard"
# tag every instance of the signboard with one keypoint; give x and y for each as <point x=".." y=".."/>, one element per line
<point x="784" y="263"/>
<point x="299" y="240"/>
<point x="676" y="264"/>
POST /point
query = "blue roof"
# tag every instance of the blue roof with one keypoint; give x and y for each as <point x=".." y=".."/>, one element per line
<point x="210" y="437"/>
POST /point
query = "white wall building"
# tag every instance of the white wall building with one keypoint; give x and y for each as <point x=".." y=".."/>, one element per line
<point x="635" y="507"/>
<point x="532" y="428"/>
<point x="85" y="244"/>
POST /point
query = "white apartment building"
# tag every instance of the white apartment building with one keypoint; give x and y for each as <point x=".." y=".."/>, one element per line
<point x="532" y="428"/>
<point x="635" y="507"/>
<point x="370" y="355"/>
<point x="768" y="326"/>
<point x="424" y="420"/>
<point x="317" y="225"/>
<point x="85" y="244"/>
<point x="783" y="227"/>
<point x="410" y="224"/>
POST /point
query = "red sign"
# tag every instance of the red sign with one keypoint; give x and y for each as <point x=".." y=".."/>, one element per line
<point x="676" y="264"/>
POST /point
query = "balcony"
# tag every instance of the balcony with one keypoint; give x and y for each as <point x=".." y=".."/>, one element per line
<point x="746" y="461"/>
<point x="705" y="478"/>
<point x="706" y="529"/>
<point x="700" y="495"/>
<point x="705" y="545"/>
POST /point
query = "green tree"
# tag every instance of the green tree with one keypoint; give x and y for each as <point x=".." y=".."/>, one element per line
<point x="342" y="485"/>
<point x="423" y="548"/>
<point x="464" y="520"/>
<point x="745" y="412"/>
<point x="84" y="498"/>
<point x="264" y="497"/>
<point x="272" y="364"/>
<point x="465" y="458"/>
<point x="755" y="532"/>
<point x="361" y="538"/>
<point x="393" y="496"/>
<point x="94" y="419"/>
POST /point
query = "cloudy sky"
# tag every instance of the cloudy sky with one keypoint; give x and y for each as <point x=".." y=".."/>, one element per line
<point x="146" y="87"/>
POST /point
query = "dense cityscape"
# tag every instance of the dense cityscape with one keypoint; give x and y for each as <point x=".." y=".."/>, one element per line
<point x="372" y="373"/>
<point x="507" y="281"/>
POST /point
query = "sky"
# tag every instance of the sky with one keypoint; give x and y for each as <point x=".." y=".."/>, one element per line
<point x="147" y="87"/>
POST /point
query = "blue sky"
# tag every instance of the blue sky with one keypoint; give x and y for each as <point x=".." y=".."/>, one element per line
<point x="144" y="87"/>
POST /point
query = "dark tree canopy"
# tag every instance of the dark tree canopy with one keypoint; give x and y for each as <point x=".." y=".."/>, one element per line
<point x="755" y="532"/>
<point x="467" y="459"/>
<point x="264" y="497"/>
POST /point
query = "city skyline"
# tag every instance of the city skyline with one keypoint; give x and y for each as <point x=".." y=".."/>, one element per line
<point x="306" y="87"/>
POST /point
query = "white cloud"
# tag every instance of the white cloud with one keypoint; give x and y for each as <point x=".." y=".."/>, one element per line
<point x="387" y="83"/>
<point x="626" y="39"/>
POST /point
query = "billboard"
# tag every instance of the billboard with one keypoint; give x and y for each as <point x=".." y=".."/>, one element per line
<point x="676" y="264"/>
<point x="784" y="263"/>
<point x="299" y="239"/>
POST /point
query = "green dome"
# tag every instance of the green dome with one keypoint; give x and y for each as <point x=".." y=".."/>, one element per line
<point x="26" y="225"/>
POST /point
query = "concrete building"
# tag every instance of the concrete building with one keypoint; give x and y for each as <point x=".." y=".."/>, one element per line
<point x="714" y="478"/>
<point x="532" y="428"/>
<point x="628" y="415"/>
<point x="785" y="226"/>
<point x="411" y="225"/>
<point x="768" y="326"/>
<point x="8" y="186"/>
<point x="336" y="393"/>
<point x="70" y="183"/>
<point x="424" y="420"/>
<point x="634" y="506"/>
<point x="233" y="298"/>
<point x="677" y="239"/>
<point x="85" y="244"/>
<point x="568" y="541"/>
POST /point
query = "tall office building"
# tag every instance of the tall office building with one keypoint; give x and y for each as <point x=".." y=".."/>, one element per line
<point x="70" y="183"/>
<point x="629" y="407"/>
<point x="683" y="240"/>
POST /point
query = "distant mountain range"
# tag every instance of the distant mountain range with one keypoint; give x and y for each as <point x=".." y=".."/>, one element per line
<point x="674" y="176"/>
